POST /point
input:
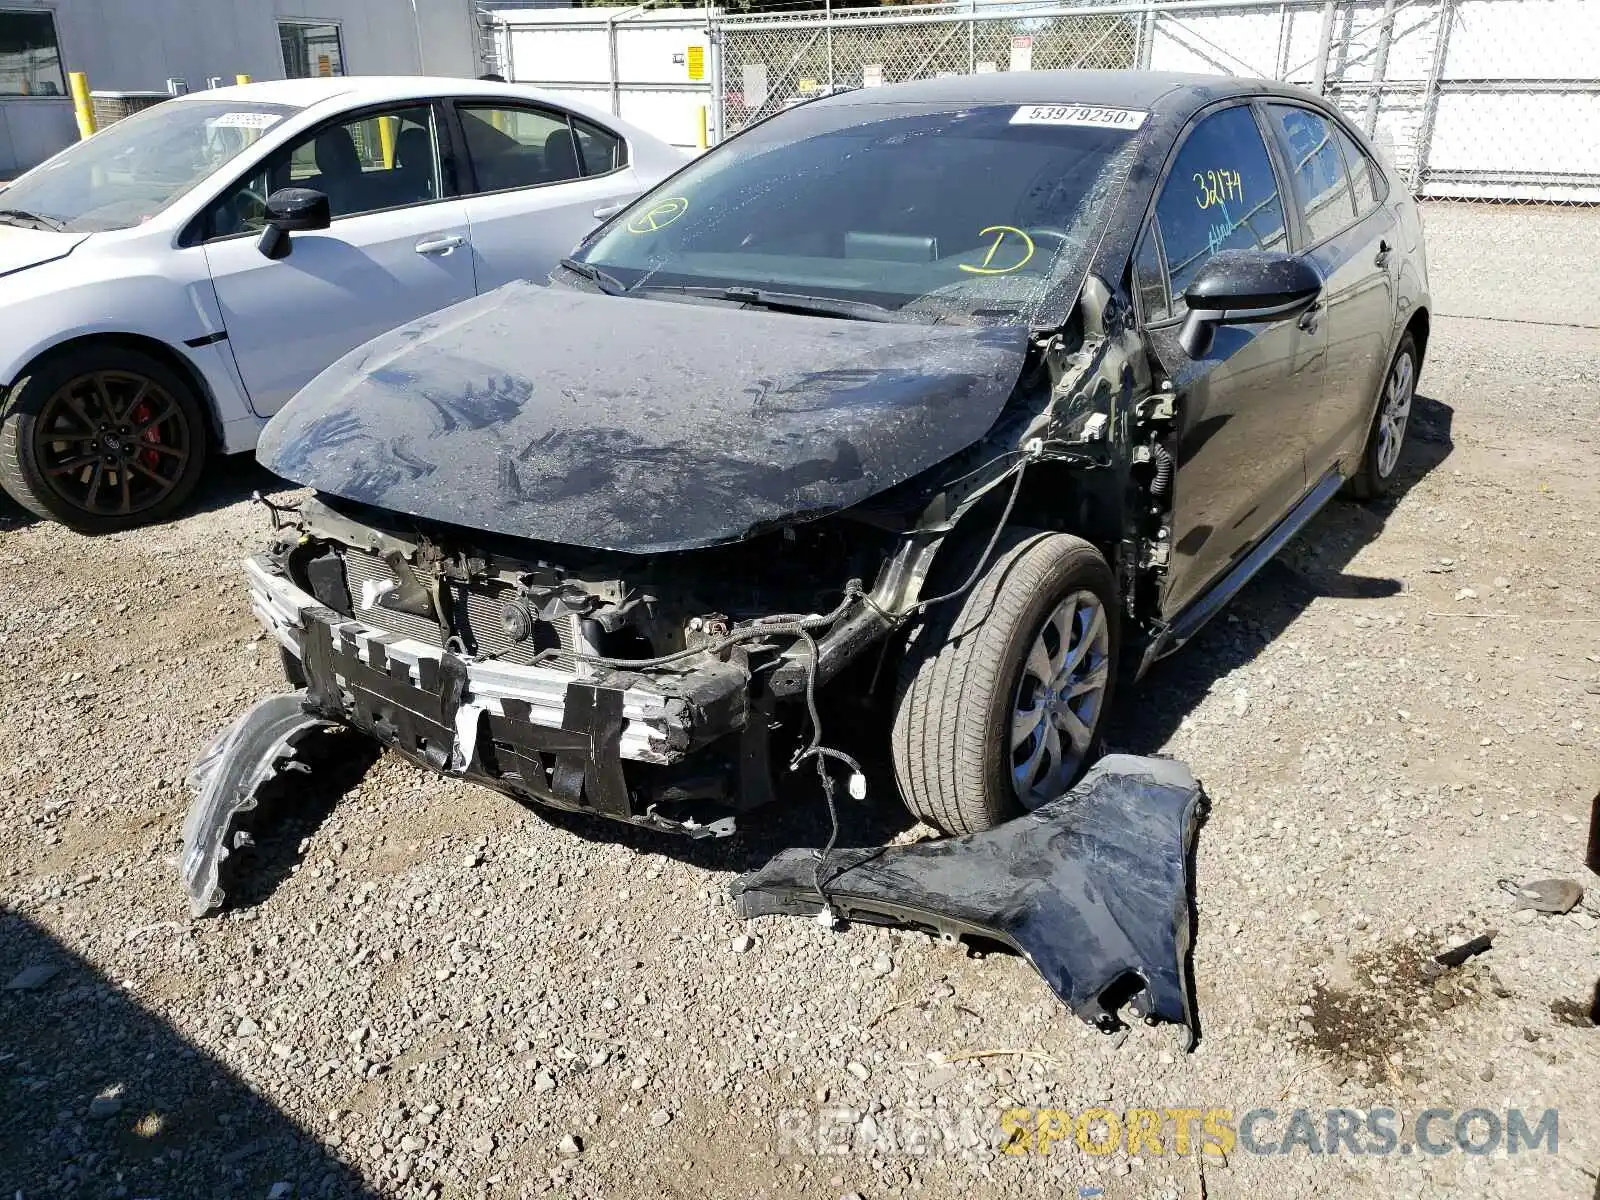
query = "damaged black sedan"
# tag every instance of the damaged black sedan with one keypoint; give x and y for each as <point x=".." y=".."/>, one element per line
<point x="954" y="393"/>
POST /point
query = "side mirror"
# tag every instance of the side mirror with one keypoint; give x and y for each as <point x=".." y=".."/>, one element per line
<point x="293" y="210"/>
<point x="1245" y="287"/>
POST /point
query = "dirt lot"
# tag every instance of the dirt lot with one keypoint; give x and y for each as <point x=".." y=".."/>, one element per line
<point x="430" y="988"/>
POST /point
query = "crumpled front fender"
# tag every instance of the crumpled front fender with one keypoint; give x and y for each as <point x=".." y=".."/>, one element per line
<point x="1091" y="888"/>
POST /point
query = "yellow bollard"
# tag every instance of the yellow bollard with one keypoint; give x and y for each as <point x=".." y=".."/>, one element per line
<point x="704" y="135"/>
<point x="241" y="79"/>
<point x="386" y="131"/>
<point x="78" y="84"/>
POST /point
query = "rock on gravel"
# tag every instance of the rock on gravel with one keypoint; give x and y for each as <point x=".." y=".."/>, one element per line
<point x="32" y="978"/>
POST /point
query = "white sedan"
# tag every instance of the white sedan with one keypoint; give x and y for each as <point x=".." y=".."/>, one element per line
<point x="166" y="285"/>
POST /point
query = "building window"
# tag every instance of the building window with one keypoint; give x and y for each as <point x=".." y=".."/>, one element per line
<point x="310" y="50"/>
<point x="30" y="59"/>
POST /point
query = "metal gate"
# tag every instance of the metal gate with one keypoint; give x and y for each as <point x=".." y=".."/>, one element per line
<point x="648" y="66"/>
<point x="1496" y="99"/>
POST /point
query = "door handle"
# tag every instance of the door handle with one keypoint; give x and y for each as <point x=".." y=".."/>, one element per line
<point x="1383" y="255"/>
<point x="440" y="245"/>
<point x="609" y="210"/>
<point x="1308" y="319"/>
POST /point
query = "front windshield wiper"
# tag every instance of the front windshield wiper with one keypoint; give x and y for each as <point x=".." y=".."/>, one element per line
<point x="609" y="284"/>
<point x="796" y="302"/>
<point x="16" y="216"/>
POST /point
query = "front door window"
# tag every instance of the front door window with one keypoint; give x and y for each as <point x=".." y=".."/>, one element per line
<point x="1220" y="195"/>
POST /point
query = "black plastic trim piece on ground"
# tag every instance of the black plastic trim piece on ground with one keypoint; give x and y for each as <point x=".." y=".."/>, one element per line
<point x="1092" y="888"/>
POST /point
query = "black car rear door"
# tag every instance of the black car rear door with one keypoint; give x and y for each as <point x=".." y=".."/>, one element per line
<point x="1245" y="405"/>
<point x="1354" y="248"/>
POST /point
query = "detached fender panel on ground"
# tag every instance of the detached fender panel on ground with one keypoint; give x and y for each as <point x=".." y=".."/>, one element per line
<point x="1091" y="888"/>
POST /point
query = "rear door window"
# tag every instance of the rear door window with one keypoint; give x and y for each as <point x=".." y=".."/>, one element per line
<point x="1317" y="166"/>
<point x="519" y="147"/>
<point x="1221" y="194"/>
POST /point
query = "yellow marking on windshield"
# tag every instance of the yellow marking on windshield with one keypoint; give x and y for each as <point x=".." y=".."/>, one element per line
<point x="1002" y="235"/>
<point x="1218" y="187"/>
<point x="658" y="216"/>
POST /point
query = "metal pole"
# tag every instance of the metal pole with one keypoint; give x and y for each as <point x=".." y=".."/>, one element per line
<point x="1319" y="78"/>
<point x="972" y="36"/>
<point x="416" y="24"/>
<point x="1283" y="42"/>
<point x="611" y="46"/>
<point x="827" y="17"/>
<point x="1147" y="36"/>
<point x="714" y="48"/>
<point x="1380" y="66"/>
<point x="1430" y="102"/>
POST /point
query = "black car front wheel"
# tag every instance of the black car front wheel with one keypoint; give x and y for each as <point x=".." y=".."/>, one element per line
<point x="1003" y="694"/>
<point x="101" y="439"/>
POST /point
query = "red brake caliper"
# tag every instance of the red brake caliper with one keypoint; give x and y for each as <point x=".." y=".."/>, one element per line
<point x="153" y="435"/>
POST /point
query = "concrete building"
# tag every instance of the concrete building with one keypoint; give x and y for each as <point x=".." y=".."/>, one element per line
<point x="138" y="45"/>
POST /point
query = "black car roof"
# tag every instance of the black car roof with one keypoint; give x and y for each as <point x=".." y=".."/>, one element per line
<point x="1171" y="93"/>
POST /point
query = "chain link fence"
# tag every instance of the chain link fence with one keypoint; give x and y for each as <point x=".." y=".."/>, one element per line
<point x="1489" y="99"/>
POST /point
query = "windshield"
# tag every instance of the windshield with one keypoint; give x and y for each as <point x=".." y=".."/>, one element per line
<point x="132" y="170"/>
<point x="984" y="213"/>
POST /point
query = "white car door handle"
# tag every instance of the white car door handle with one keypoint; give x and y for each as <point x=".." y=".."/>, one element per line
<point x="610" y="209"/>
<point x="440" y="245"/>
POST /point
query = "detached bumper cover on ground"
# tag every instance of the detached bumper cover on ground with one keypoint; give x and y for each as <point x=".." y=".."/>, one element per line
<point x="1091" y="888"/>
<point x="226" y="781"/>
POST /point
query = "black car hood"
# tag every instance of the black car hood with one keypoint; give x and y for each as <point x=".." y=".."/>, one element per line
<point x="637" y="425"/>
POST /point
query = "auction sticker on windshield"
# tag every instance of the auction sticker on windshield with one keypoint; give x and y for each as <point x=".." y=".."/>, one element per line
<point x="1079" y="114"/>
<point x="245" y="120"/>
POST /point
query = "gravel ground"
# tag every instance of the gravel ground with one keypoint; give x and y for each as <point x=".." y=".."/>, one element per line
<point x="430" y="991"/>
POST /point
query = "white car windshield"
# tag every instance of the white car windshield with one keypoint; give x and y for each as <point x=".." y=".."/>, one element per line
<point x="132" y="170"/>
<point x="986" y="212"/>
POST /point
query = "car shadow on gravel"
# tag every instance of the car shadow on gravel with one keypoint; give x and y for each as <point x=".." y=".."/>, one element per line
<point x="1311" y="566"/>
<point x="99" y="1096"/>
<point x="226" y="482"/>
<point x="232" y="480"/>
<point x="13" y="515"/>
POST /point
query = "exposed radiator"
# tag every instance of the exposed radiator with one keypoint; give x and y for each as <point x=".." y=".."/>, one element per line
<point x="480" y="604"/>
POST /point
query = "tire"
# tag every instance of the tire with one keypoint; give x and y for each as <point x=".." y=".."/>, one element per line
<point x="967" y="676"/>
<point x="123" y="417"/>
<point x="1386" y="438"/>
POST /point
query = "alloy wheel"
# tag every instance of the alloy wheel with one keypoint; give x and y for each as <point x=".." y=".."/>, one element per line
<point x="1393" y="413"/>
<point x="1059" y="699"/>
<point x="112" y="443"/>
